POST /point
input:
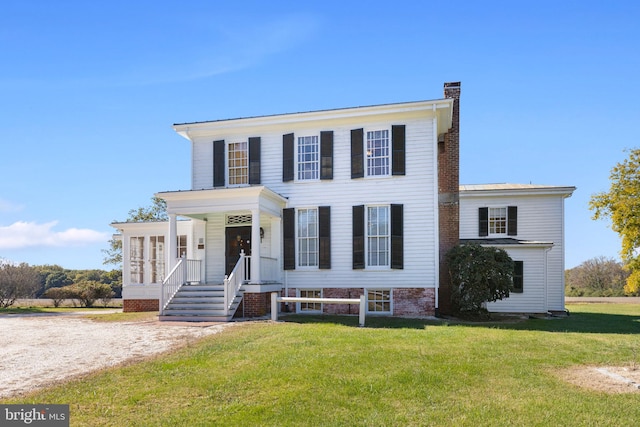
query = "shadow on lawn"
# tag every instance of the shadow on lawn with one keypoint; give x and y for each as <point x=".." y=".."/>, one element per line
<point x="598" y="323"/>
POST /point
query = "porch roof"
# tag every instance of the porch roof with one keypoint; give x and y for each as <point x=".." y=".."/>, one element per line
<point x="199" y="203"/>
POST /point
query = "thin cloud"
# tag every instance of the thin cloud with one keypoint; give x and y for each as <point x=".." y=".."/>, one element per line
<point x="214" y="50"/>
<point x="23" y="234"/>
<point x="6" y="206"/>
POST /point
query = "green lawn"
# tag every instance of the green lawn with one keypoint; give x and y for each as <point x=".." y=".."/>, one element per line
<point x="395" y="372"/>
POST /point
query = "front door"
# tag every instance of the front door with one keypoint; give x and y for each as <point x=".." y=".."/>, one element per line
<point x="237" y="239"/>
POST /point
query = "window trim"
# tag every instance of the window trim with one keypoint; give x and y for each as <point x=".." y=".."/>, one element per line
<point x="316" y="238"/>
<point x="228" y="163"/>
<point x="386" y="266"/>
<point x="296" y="156"/>
<point x="366" y="158"/>
<point x="375" y="312"/>
<point x="490" y="221"/>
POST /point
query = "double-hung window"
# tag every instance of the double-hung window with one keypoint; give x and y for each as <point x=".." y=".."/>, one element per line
<point x="378" y="152"/>
<point x="498" y="221"/>
<point x="378" y="236"/>
<point x="378" y="155"/>
<point x="238" y="161"/>
<point x="307" y="237"/>
<point x="308" y="158"/>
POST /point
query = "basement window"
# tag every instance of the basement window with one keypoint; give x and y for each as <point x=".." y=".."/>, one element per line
<point x="379" y="301"/>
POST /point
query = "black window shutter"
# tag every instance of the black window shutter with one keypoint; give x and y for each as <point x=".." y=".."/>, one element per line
<point x="324" y="236"/>
<point x="326" y="155"/>
<point x="518" y="277"/>
<point x="287" y="157"/>
<point x="218" y="164"/>
<point x="512" y="221"/>
<point x="289" y="238"/>
<point x="358" y="237"/>
<point x="483" y="222"/>
<point x="357" y="153"/>
<point x="397" y="236"/>
<point x="398" y="150"/>
<point x="254" y="160"/>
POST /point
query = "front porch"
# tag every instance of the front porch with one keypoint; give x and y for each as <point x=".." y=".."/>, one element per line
<point x="238" y="252"/>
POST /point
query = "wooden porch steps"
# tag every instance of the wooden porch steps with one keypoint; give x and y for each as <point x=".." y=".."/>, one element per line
<point x="199" y="303"/>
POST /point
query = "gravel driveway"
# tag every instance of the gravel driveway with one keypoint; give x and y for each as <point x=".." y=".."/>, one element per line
<point x="44" y="349"/>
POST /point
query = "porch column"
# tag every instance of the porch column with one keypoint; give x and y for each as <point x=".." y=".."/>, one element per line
<point x="255" y="246"/>
<point x="173" y="242"/>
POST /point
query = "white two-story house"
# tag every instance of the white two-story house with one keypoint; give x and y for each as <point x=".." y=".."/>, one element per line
<point x="332" y="204"/>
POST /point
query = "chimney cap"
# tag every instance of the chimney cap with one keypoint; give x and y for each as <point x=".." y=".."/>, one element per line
<point x="452" y="84"/>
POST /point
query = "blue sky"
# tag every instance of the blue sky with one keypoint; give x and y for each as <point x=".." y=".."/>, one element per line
<point x="89" y="91"/>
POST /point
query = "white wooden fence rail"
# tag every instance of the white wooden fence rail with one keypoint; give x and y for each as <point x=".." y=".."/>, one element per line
<point x="275" y="299"/>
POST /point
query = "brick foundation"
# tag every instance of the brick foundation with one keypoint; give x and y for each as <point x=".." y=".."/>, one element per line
<point x="133" y="305"/>
<point x="414" y="302"/>
<point x="411" y="302"/>
<point x="254" y="305"/>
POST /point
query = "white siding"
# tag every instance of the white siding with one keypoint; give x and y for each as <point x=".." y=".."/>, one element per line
<point x="202" y="164"/>
<point x="415" y="191"/>
<point x="533" y="298"/>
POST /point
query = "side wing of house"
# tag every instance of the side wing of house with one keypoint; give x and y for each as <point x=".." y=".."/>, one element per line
<point x="145" y="254"/>
<point x="528" y="222"/>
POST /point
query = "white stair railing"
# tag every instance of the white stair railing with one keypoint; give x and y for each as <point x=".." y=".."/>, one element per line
<point x="185" y="271"/>
<point x="234" y="281"/>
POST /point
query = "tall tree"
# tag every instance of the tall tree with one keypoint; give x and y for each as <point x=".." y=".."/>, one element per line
<point x="622" y="205"/>
<point x="156" y="212"/>
<point x="17" y="281"/>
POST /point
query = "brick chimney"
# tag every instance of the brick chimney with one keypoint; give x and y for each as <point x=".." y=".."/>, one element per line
<point x="448" y="194"/>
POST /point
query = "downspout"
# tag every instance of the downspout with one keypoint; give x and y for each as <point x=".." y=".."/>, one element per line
<point x="436" y="214"/>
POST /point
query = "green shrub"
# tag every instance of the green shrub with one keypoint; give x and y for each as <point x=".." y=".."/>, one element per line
<point x="88" y="292"/>
<point x="58" y="295"/>
<point x="478" y="274"/>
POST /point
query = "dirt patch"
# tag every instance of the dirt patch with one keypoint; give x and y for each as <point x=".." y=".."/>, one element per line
<point x="608" y="379"/>
<point x="41" y="350"/>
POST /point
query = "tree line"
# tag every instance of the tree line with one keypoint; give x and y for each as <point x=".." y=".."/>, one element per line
<point x="26" y="281"/>
<point x="598" y="277"/>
